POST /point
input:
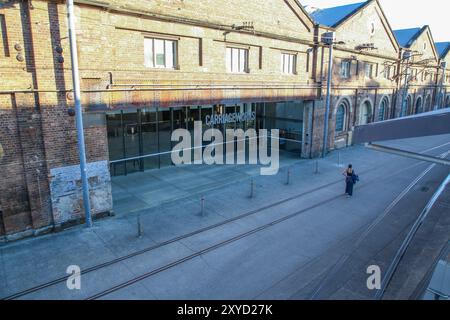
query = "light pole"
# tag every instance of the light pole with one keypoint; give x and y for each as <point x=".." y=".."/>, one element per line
<point x="404" y="111"/>
<point x="328" y="38"/>
<point x="441" y="87"/>
<point x="78" y="112"/>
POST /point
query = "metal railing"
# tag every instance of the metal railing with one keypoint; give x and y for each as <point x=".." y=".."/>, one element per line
<point x="196" y="148"/>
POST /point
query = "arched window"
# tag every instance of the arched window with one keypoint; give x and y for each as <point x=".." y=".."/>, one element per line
<point x="406" y="107"/>
<point x="409" y="107"/>
<point x="441" y="101"/>
<point x="340" y="118"/>
<point x="365" y="113"/>
<point x="382" y="109"/>
<point x="428" y="103"/>
<point x="419" y="105"/>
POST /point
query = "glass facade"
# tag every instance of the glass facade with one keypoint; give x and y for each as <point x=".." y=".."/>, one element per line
<point x="140" y="139"/>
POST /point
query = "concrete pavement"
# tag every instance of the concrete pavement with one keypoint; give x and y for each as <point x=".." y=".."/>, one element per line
<point x="290" y="260"/>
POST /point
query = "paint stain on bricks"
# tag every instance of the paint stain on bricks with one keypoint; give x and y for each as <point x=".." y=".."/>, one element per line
<point x="66" y="190"/>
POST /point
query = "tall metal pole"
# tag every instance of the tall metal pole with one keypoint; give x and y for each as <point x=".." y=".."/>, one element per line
<point x="441" y="87"/>
<point x="328" y="101"/>
<point x="404" y="111"/>
<point x="78" y="112"/>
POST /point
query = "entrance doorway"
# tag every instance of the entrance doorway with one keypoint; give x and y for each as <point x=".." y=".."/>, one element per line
<point x="365" y="113"/>
<point x="140" y="139"/>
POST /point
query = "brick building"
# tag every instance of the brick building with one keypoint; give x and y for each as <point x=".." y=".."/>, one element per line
<point x="419" y="71"/>
<point x="150" y="67"/>
<point x="443" y="98"/>
<point x="365" y="67"/>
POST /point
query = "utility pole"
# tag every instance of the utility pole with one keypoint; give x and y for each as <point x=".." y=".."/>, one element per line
<point x="404" y="111"/>
<point x="328" y="38"/>
<point x="441" y="99"/>
<point x="78" y="112"/>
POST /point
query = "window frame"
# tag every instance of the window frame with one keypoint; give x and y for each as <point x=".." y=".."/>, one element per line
<point x="371" y="65"/>
<point x="292" y="69"/>
<point x="384" y="106"/>
<point x="229" y="59"/>
<point x="154" y="58"/>
<point x="344" y="119"/>
<point x="387" y="72"/>
<point x="345" y="73"/>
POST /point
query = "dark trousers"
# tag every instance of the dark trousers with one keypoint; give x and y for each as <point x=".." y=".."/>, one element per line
<point x="349" y="188"/>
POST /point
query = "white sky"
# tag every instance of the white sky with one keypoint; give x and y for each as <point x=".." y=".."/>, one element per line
<point x="404" y="14"/>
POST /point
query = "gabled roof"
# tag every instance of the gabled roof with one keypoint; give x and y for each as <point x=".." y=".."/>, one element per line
<point x="406" y="37"/>
<point x="443" y="48"/>
<point x="332" y="17"/>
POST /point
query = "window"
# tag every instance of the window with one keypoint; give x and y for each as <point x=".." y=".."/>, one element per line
<point x="340" y="118"/>
<point x="387" y="72"/>
<point x="406" y="107"/>
<point x="365" y="113"/>
<point x="419" y="106"/>
<point x="237" y="60"/>
<point x="288" y="63"/>
<point x="160" y="53"/>
<point x="382" y="109"/>
<point x="4" y="46"/>
<point x="345" y="69"/>
<point x="368" y="67"/>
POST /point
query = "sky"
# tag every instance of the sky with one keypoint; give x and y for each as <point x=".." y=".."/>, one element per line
<point x="404" y="14"/>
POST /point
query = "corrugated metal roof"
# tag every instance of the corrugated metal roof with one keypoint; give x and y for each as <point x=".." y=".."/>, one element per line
<point x="405" y="37"/>
<point x="442" y="48"/>
<point x="331" y="17"/>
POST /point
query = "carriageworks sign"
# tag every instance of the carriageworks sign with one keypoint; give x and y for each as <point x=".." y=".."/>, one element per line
<point x="229" y="118"/>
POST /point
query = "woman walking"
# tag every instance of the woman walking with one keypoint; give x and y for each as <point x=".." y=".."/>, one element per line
<point x="350" y="180"/>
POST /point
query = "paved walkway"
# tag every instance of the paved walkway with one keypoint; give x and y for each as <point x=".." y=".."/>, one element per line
<point x="145" y="190"/>
<point x="287" y="260"/>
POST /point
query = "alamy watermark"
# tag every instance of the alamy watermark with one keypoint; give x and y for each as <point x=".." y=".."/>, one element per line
<point x="73" y="282"/>
<point x="213" y="153"/>
<point x="374" y="280"/>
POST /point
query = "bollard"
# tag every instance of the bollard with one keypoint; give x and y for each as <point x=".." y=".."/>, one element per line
<point x="139" y="226"/>
<point x="252" y="188"/>
<point x="288" y="179"/>
<point x="339" y="159"/>
<point x="317" y="167"/>
<point x="202" y="204"/>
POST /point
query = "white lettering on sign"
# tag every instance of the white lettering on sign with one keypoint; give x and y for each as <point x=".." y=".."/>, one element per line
<point x="229" y="118"/>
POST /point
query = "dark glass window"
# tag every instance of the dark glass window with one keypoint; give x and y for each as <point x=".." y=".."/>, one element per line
<point x="382" y="110"/>
<point x="340" y="118"/>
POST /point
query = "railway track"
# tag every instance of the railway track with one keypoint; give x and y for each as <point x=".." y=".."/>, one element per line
<point x="199" y="231"/>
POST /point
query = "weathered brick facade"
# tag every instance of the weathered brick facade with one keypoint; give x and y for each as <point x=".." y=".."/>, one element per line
<point x="40" y="187"/>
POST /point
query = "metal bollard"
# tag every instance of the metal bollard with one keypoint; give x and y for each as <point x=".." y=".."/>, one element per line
<point x="339" y="159"/>
<point x="317" y="167"/>
<point x="288" y="179"/>
<point x="139" y="226"/>
<point x="252" y="188"/>
<point x="202" y="204"/>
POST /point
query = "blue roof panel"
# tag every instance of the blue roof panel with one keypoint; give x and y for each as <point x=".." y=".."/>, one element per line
<point x="331" y="17"/>
<point x="442" y="48"/>
<point x="406" y="36"/>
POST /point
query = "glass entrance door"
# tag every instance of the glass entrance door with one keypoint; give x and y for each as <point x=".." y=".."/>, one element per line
<point x="149" y="138"/>
<point x="132" y="140"/>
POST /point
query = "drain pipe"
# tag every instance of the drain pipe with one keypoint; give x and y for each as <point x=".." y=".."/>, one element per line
<point x="78" y="112"/>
